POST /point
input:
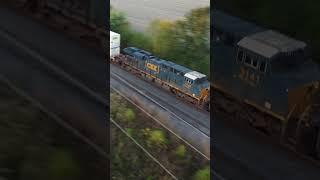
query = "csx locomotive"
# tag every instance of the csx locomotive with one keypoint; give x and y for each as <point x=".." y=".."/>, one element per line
<point x="188" y="84"/>
<point x="267" y="79"/>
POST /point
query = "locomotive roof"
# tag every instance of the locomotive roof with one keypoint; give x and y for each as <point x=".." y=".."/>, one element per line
<point x="168" y="63"/>
<point x="175" y="66"/>
<point x="233" y="25"/>
<point x="194" y="75"/>
<point x="181" y="68"/>
<point x="269" y="43"/>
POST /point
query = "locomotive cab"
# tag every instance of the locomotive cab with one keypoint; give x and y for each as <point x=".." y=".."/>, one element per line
<point x="268" y="62"/>
<point x="282" y="76"/>
<point x="197" y="84"/>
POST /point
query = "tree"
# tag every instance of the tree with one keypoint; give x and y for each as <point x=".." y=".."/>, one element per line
<point x="185" y="42"/>
<point x="118" y="21"/>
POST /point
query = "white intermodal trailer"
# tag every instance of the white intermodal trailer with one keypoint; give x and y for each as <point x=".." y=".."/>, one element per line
<point x="114" y="45"/>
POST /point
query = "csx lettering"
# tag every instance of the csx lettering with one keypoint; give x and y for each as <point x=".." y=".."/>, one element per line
<point x="152" y="67"/>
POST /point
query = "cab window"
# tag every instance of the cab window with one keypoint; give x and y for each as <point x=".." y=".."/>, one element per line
<point x="248" y="60"/>
<point x="263" y="67"/>
<point x="255" y="63"/>
<point x="240" y="56"/>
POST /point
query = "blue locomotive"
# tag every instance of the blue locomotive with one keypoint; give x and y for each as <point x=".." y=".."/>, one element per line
<point x="268" y="79"/>
<point x="188" y="84"/>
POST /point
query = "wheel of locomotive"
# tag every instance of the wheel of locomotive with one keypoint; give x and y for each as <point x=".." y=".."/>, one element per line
<point x="172" y="90"/>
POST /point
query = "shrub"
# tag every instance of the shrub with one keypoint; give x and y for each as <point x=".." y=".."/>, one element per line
<point x="158" y="138"/>
<point x="181" y="151"/>
<point x="129" y="115"/>
<point x="202" y="174"/>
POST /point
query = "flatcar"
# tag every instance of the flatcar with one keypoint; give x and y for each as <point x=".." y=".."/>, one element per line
<point x="183" y="82"/>
<point x="267" y="79"/>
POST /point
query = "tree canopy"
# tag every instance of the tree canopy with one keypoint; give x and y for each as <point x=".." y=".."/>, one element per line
<point x="185" y="41"/>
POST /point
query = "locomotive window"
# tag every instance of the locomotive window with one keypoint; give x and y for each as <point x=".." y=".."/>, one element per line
<point x="240" y="55"/>
<point x="248" y="60"/>
<point x="263" y="66"/>
<point x="254" y="63"/>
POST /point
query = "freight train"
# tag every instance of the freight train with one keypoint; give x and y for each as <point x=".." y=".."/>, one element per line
<point x="185" y="83"/>
<point x="268" y="80"/>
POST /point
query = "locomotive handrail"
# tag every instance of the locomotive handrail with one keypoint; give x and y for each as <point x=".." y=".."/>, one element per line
<point x="291" y="112"/>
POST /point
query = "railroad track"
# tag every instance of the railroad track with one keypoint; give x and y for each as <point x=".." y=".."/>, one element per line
<point x="141" y="96"/>
<point x="69" y="21"/>
<point x="37" y="88"/>
<point x="195" y="122"/>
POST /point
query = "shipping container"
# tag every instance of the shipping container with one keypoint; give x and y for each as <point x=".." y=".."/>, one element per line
<point x="114" y="44"/>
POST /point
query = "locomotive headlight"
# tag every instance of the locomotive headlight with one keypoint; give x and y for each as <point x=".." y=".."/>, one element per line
<point x="193" y="95"/>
